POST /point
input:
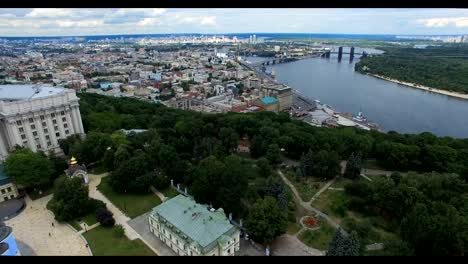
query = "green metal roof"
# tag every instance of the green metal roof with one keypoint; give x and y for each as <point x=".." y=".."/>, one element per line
<point x="194" y="220"/>
<point x="269" y="100"/>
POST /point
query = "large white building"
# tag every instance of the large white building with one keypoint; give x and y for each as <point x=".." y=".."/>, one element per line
<point x="36" y="117"/>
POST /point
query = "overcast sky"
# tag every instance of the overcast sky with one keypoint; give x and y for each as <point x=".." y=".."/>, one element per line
<point x="67" y="22"/>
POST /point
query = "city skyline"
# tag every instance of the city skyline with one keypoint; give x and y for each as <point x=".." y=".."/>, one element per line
<point x="45" y="22"/>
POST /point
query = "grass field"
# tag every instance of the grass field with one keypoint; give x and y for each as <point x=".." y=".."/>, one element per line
<point x="104" y="242"/>
<point x="132" y="205"/>
<point x="169" y="192"/>
<point x="293" y="228"/>
<point x="333" y="203"/>
<point x="307" y="187"/>
<point x="320" y="238"/>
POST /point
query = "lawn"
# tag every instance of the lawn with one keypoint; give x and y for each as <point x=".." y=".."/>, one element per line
<point x="320" y="238"/>
<point x="372" y="164"/>
<point x="132" y="205"/>
<point x="306" y="187"/>
<point x="104" y="242"/>
<point x="333" y="203"/>
<point x="169" y="192"/>
<point x="293" y="228"/>
<point x="341" y="182"/>
<point x="75" y="225"/>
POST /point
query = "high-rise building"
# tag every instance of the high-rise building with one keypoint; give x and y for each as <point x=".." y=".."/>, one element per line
<point x="36" y="117"/>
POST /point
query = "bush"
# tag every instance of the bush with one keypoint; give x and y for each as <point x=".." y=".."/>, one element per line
<point x="105" y="217"/>
<point x="119" y="231"/>
<point x="161" y="181"/>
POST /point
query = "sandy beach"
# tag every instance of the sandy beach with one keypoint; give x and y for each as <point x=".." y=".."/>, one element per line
<point x="421" y="87"/>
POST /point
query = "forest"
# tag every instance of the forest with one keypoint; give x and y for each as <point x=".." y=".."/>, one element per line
<point x="441" y="67"/>
<point x="199" y="151"/>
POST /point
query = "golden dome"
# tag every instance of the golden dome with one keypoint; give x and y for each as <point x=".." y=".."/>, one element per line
<point x="73" y="161"/>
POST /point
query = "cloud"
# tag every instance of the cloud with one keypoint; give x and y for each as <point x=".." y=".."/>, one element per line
<point x="208" y="20"/>
<point x="83" y="23"/>
<point x="444" y="22"/>
<point x="149" y="21"/>
<point x="49" y="12"/>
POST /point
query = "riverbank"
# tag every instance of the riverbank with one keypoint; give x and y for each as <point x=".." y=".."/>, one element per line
<point x="421" y="87"/>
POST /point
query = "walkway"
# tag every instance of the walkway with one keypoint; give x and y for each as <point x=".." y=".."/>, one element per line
<point x="287" y="245"/>
<point x="306" y="205"/>
<point x="324" y="188"/>
<point x="33" y="227"/>
<point x="119" y="216"/>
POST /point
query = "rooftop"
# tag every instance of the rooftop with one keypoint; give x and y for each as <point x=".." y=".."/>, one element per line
<point x="269" y="100"/>
<point x="194" y="220"/>
<point x="14" y="92"/>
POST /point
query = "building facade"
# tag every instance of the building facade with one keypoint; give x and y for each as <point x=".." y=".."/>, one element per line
<point x="191" y="229"/>
<point x="36" y="117"/>
<point x="280" y="92"/>
<point x="7" y="189"/>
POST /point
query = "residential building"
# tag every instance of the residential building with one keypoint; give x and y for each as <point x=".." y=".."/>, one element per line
<point x="36" y="117"/>
<point x="192" y="229"/>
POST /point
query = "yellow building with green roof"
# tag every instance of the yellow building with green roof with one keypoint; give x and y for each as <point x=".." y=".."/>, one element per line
<point x="191" y="229"/>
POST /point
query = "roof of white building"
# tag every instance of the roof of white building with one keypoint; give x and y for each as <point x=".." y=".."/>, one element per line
<point x="27" y="91"/>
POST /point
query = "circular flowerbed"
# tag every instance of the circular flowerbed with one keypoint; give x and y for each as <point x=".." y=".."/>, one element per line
<point x="310" y="221"/>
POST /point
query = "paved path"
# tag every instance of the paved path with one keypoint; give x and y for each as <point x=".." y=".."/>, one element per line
<point x="159" y="194"/>
<point x="33" y="226"/>
<point x="306" y="205"/>
<point x="119" y="216"/>
<point x="324" y="188"/>
<point x="287" y="245"/>
<point x="141" y="226"/>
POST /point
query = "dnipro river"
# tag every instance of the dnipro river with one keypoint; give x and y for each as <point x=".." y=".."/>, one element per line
<point x="392" y="106"/>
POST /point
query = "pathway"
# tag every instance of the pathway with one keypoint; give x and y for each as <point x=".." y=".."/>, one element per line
<point x="324" y="188"/>
<point x="306" y="205"/>
<point x="159" y="194"/>
<point x="287" y="245"/>
<point x="33" y="227"/>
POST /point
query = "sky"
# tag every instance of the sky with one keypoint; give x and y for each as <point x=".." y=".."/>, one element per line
<point x="111" y="21"/>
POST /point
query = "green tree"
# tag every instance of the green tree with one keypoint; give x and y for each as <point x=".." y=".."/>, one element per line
<point x="130" y="175"/>
<point x="264" y="168"/>
<point x="326" y="164"/>
<point x="29" y="169"/>
<point x="307" y="163"/>
<point x="353" y="167"/>
<point x="266" y="220"/>
<point x="207" y="180"/>
<point x="70" y="199"/>
<point x="273" y="154"/>
<point x="343" y="245"/>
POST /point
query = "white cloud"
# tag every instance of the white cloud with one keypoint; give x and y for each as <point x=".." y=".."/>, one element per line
<point x="83" y="23"/>
<point x="208" y="20"/>
<point x="158" y="11"/>
<point x="149" y="21"/>
<point x="444" y="22"/>
<point x="49" y="12"/>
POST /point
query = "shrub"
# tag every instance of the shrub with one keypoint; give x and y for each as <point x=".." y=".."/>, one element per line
<point x="119" y="231"/>
<point x="105" y="217"/>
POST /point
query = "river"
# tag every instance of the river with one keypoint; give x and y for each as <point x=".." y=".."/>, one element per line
<point x="392" y="106"/>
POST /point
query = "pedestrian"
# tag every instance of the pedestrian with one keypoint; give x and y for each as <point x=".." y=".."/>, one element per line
<point x="49" y="234"/>
<point x="52" y="224"/>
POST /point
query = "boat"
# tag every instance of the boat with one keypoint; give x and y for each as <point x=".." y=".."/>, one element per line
<point x="360" y="117"/>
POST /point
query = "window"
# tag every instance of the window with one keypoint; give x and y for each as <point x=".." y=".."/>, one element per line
<point x="42" y="117"/>
<point x="229" y="251"/>
<point x="52" y="115"/>
<point x="5" y="199"/>
<point x="21" y="130"/>
<point x="64" y="119"/>
<point x="25" y="142"/>
<point x="38" y="146"/>
<point x="56" y="128"/>
<point x="8" y="189"/>
<point x="33" y="127"/>
<point x="54" y="121"/>
<point x="65" y="125"/>
<point x="170" y="236"/>
<point x="31" y="120"/>
<point x="47" y="136"/>
<point x="18" y="122"/>
<point x="3" y="191"/>
<point x="35" y="133"/>
<point x="12" y="196"/>
<point x="23" y="136"/>
<point x="67" y="132"/>
<point x="44" y="124"/>
<point x="62" y="113"/>
<point x="57" y="134"/>
<point x="46" y="131"/>
<point x="49" y="143"/>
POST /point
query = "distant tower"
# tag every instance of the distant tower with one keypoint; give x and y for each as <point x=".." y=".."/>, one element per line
<point x="254" y="39"/>
<point x="351" y="54"/>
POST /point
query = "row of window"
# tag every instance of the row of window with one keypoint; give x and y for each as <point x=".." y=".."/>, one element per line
<point x="31" y="120"/>
<point x="3" y="191"/>
<point x="6" y="198"/>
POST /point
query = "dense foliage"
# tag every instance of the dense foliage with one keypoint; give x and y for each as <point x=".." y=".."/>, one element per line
<point x="33" y="170"/>
<point x="343" y="244"/>
<point x="436" y="67"/>
<point x="430" y="210"/>
<point x="199" y="151"/>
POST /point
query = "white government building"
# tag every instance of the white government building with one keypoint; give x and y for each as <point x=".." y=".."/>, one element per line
<point x="36" y="117"/>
